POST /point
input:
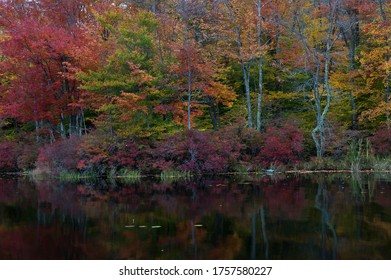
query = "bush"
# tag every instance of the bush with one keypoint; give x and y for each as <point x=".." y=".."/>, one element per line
<point x="381" y="141"/>
<point x="282" y="144"/>
<point x="126" y="155"/>
<point x="93" y="154"/>
<point x="27" y="153"/>
<point x="197" y="152"/>
<point x="59" y="156"/>
<point x="8" y="157"/>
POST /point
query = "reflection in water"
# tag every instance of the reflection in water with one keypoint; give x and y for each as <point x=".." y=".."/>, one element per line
<point x="264" y="234"/>
<point x="322" y="204"/>
<point x="254" y="250"/>
<point x="344" y="216"/>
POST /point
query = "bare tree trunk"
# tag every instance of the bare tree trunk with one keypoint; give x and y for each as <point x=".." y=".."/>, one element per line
<point x="260" y="65"/>
<point x="188" y="83"/>
<point x="387" y="97"/>
<point x="62" y="127"/>
<point x="352" y="50"/>
<point x="318" y="131"/>
<point x="350" y="34"/>
<point x="246" y="78"/>
<point x="70" y="125"/>
<point x="37" y="131"/>
<point x="84" y="121"/>
<point x="51" y="134"/>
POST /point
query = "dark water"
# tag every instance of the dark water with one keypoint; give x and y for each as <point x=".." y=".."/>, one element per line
<point x="261" y="217"/>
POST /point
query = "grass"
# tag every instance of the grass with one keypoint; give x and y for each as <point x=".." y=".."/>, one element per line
<point x="173" y="175"/>
<point x="359" y="158"/>
<point x="76" y="176"/>
<point x="128" y="176"/>
<point x="355" y="155"/>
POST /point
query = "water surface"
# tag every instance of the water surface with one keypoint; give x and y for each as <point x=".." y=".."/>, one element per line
<point x="320" y="216"/>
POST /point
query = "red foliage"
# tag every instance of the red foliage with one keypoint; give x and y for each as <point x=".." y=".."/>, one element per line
<point x="126" y="156"/>
<point x="381" y="141"/>
<point x="43" y="52"/>
<point x="8" y="158"/>
<point x="197" y="151"/>
<point x="27" y="155"/>
<point x="283" y="144"/>
<point x="93" y="154"/>
<point x="61" y="155"/>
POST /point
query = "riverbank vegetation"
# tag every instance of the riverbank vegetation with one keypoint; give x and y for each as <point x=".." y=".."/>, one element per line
<point x="175" y="87"/>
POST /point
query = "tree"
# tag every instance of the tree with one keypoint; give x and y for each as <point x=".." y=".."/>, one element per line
<point x="350" y="30"/>
<point x="196" y="70"/>
<point x="314" y="25"/>
<point x="129" y="80"/>
<point x="42" y="55"/>
<point x="375" y="60"/>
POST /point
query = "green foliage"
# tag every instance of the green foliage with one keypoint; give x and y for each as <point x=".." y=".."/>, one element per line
<point x="355" y="154"/>
<point x="124" y="69"/>
<point x="127" y="176"/>
<point x="169" y="176"/>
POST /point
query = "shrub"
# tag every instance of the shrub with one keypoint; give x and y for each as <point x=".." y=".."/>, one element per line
<point x="282" y="144"/>
<point x="59" y="156"/>
<point x="197" y="151"/>
<point x="93" y="154"/>
<point x="8" y="157"/>
<point x="125" y="155"/>
<point x="27" y="155"/>
<point x="381" y="141"/>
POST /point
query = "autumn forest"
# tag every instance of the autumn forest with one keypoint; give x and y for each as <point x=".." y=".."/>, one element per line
<point x="123" y="88"/>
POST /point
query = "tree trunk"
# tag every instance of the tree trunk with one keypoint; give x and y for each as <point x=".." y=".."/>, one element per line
<point x="260" y="65"/>
<point x="62" y="127"/>
<point x="318" y="131"/>
<point x="212" y="113"/>
<point x="353" y="106"/>
<point x="244" y="65"/>
<point x="84" y="121"/>
<point x="217" y="116"/>
<point x="246" y="79"/>
<point x="70" y="125"/>
<point x="387" y="97"/>
<point x="260" y="95"/>
<point x="188" y="83"/>
<point x="37" y="131"/>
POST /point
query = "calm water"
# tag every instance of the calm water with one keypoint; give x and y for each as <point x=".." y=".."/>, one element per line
<point x="287" y="217"/>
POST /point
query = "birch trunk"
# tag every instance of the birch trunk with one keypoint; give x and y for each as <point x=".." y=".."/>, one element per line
<point x="260" y="65"/>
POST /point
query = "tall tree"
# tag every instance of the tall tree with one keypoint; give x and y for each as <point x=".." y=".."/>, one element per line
<point x="348" y="22"/>
<point x="128" y="80"/>
<point x="43" y="53"/>
<point x="375" y="60"/>
<point x="314" y="24"/>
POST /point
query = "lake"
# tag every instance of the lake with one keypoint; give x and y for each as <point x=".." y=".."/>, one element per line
<point x="291" y="216"/>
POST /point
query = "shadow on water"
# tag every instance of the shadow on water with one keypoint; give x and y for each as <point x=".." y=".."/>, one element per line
<point x="339" y="216"/>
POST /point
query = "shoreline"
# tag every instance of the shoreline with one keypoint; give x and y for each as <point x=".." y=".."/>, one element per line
<point x="269" y="173"/>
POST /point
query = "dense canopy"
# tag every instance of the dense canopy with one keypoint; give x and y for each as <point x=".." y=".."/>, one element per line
<point x="103" y="87"/>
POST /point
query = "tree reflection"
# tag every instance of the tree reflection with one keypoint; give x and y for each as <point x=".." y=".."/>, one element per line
<point x="207" y="218"/>
<point x="322" y="204"/>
